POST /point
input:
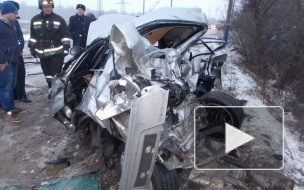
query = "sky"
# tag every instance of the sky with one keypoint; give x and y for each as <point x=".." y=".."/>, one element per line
<point x="212" y="8"/>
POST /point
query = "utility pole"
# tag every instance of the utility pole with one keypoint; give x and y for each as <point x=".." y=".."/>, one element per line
<point x="100" y="7"/>
<point x="122" y="6"/>
<point x="143" y="7"/>
<point x="171" y="3"/>
<point x="227" y="24"/>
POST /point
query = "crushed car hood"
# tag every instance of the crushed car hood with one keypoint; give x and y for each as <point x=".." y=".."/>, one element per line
<point x="138" y="38"/>
<point x="135" y="49"/>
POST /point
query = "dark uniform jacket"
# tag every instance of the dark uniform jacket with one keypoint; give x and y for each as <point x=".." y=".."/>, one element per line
<point x="49" y="35"/>
<point x="19" y="34"/>
<point x="8" y="43"/>
<point x="79" y="27"/>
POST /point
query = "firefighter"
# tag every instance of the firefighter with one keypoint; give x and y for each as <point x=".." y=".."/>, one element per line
<point x="49" y="40"/>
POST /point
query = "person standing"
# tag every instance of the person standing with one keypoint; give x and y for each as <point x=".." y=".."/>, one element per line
<point x="79" y="26"/>
<point x="8" y="61"/>
<point x="19" y="90"/>
<point x="49" y="40"/>
<point x="91" y="16"/>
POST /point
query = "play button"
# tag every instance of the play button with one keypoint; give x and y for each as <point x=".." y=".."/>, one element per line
<point x="222" y="144"/>
<point x="235" y="138"/>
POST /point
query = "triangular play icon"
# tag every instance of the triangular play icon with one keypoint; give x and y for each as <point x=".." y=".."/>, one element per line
<point x="235" y="138"/>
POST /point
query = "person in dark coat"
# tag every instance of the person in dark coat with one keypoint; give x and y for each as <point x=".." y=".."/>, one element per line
<point x="8" y="61"/>
<point x="79" y="26"/>
<point x="19" y="90"/>
<point x="91" y="16"/>
<point x="49" y="40"/>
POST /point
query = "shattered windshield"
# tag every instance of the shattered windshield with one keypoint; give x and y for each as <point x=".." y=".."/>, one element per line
<point x="170" y="36"/>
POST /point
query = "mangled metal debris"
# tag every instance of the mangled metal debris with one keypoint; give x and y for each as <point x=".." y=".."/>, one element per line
<point x="147" y="78"/>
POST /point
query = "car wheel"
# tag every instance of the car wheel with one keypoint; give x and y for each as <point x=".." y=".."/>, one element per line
<point x="163" y="179"/>
<point x="233" y="116"/>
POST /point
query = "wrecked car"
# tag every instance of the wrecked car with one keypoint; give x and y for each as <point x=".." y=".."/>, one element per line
<point x="135" y="87"/>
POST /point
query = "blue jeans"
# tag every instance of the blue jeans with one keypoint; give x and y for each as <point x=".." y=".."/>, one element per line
<point x="7" y="82"/>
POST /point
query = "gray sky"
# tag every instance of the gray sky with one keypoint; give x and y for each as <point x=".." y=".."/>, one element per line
<point x="212" y="8"/>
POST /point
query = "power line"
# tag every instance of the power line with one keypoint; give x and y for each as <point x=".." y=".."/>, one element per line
<point x="122" y="6"/>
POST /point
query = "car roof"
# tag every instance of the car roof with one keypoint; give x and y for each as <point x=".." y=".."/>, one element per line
<point x="102" y="26"/>
<point x="171" y="14"/>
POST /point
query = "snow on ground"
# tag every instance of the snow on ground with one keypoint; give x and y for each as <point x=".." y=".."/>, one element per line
<point x="26" y="37"/>
<point x="238" y="82"/>
<point x="294" y="157"/>
<point x="243" y="87"/>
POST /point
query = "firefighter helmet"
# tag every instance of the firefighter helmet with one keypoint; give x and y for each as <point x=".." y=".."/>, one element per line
<point x="45" y="2"/>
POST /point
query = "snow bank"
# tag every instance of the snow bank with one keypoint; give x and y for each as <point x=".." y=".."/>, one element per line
<point x="242" y="86"/>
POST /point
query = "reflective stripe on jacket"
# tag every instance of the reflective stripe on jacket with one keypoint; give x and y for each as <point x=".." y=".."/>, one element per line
<point x="49" y="35"/>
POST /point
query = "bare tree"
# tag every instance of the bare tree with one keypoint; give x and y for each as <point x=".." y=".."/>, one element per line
<point x="269" y="35"/>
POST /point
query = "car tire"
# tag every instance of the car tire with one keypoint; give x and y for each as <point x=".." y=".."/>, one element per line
<point x="163" y="179"/>
<point x="217" y="98"/>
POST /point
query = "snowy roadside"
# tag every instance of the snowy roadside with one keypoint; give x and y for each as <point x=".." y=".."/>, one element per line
<point x="244" y="87"/>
